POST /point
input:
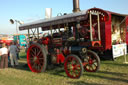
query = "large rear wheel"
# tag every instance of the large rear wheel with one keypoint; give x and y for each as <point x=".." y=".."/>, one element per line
<point x="91" y="62"/>
<point x="36" y="58"/>
<point x="73" y="66"/>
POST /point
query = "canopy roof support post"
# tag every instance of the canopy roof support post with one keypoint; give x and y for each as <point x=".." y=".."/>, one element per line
<point x="91" y="26"/>
<point x="33" y="33"/>
<point x="65" y="27"/>
<point x="98" y="27"/>
<point x="77" y="30"/>
<point x="59" y="27"/>
<point x="51" y="29"/>
<point x="38" y="33"/>
<point x="28" y="35"/>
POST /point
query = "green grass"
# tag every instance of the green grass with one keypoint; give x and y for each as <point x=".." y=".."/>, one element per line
<point x="110" y="73"/>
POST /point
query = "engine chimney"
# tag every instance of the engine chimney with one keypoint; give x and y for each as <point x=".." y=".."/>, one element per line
<point x="76" y="7"/>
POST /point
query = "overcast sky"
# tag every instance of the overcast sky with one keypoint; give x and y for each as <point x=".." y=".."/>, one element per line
<point x="30" y="10"/>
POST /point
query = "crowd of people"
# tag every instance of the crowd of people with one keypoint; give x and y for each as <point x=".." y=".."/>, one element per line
<point x="9" y="55"/>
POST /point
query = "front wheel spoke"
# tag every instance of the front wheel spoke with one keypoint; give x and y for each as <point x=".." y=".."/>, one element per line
<point x="74" y="61"/>
<point x="88" y="57"/>
<point x="85" y="60"/>
<point x="69" y="63"/>
<point x="87" y="66"/>
<point x="78" y="68"/>
<point x="94" y="67"/>
<point x="91" y="68"/>
<point x="69" y="69"/>
<point x="95" y="64"/>
<point x="77" y="71"/>
<point x="71" y="73"/>
<point x="94" y="61"/>
<point x="74" y="73"/>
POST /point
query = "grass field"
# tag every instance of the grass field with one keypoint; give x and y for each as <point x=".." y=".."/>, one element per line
<point x="110" y="73"/>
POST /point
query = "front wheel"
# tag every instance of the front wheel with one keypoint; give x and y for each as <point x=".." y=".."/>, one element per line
<point x="91" y="61"/>
<point x="73" y="66"/>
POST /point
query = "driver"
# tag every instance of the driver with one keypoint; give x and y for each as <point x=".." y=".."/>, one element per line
<point x="85" y="32"/>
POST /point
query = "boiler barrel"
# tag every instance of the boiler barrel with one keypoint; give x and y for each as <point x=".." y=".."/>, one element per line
<point x="77" y="49"/>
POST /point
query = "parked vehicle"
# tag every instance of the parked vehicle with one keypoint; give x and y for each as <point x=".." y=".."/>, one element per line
<point x="86" y="35"/>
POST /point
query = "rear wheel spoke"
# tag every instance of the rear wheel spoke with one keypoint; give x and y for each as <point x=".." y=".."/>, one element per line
<point x="38" y="53"/>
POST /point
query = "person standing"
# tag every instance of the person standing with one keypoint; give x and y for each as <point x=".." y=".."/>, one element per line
<point x="18" y="50"/>
<point x="4" y="57"/>
<point x="13" y="54"/>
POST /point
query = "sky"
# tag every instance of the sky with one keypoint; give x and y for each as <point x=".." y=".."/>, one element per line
<point x="32" y="10"/>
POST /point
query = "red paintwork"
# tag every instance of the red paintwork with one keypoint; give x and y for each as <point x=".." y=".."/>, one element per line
<point x="106" y="41"/>
<point x="45" y="40"/>
<point x="107" y="36"/>
<point x="96" y="43"/>
<point x="127" y="30"/>
<point x="57" y="42"/>
<point x="6" y="41"/>
<point x="60" y="58"/>
<point x="106" y="17"/>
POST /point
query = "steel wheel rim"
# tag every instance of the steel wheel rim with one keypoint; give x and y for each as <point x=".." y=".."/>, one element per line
<point x="72" y="67"/>
<point x="35" y="58"/>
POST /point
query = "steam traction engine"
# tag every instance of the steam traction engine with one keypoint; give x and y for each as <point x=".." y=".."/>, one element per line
<point x="69" y="39"/>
